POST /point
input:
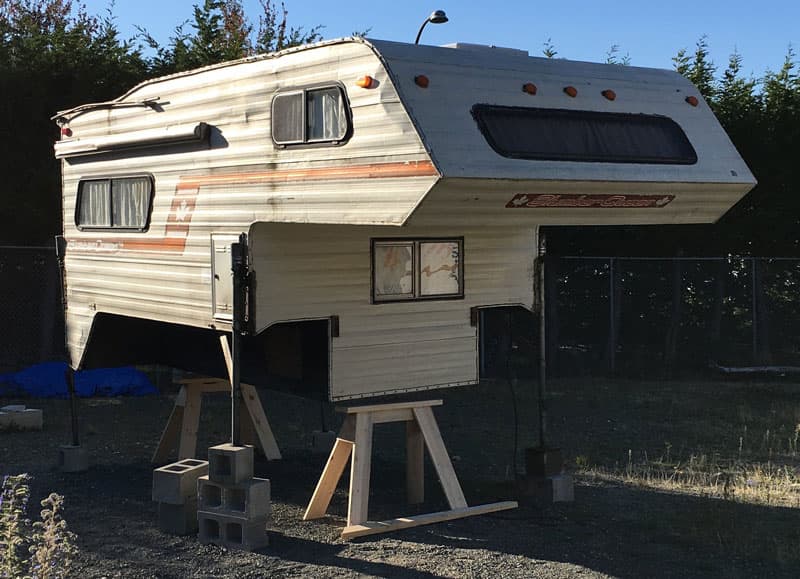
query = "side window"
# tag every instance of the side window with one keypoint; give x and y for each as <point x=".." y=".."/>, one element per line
<point x="116" y="203"/>
<point x="307" y="116"/>
<point x="417" y="269"/>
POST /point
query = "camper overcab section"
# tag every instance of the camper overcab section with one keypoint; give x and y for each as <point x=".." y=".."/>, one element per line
<point x="389" y="192"/>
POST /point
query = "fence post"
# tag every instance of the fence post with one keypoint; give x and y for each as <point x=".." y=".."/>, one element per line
<point x="612" y="319"/>
<point x="754" y="307"/>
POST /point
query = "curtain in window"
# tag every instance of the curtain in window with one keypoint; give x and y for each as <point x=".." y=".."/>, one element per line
<point x="95" y="210"/>
<point x="326" y="115"/>
<point x="287" y="118"/>
<point x="129" y="202"/>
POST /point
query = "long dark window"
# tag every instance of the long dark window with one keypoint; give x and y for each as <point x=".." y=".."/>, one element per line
<point x="589" y="136"/>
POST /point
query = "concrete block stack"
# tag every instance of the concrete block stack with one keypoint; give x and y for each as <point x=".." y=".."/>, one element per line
<point x="175" y="491"/>
<point x="234" y="507"/>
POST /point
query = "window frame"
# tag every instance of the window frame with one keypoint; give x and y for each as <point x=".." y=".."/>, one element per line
<point x="306" y="143"/>
<point x="478" y="111"/>
<point x="416" y="269"/>
<point x="111" y="178"/>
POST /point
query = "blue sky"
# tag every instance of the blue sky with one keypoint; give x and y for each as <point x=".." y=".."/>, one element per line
<point x="650" y="32"/>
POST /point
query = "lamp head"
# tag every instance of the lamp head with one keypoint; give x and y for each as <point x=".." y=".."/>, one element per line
<point x="438" y="17"/>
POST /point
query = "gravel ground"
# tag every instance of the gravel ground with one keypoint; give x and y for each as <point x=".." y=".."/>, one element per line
<point x="609" y="531"/>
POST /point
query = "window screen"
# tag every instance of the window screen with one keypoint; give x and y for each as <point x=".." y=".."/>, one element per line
<point x="590" y="136"/>
<point x="310" y="116"/>
<point x="287" y="118"/>
<point x="122" y="203"/>
<point x="417" y="269"/>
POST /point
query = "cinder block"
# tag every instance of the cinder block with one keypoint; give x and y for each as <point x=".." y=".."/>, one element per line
<point x="26" y="419"/>
<point x="178" y="519"/>
<point x="322" y="441"/>
<point x="229" y="464"/>
<point x="548" y="489"/>
<point x="173" y="483"/>
<point x="250" y="499"/>
<point x="232" y="532"/>
<point x="543" y="461"/>
<point x="73" y="458"/>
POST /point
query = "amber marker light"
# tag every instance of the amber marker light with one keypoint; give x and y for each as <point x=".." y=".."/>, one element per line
<point x="609" y="94"/>
<point x="422" y="81"/>
<point x="571" y="91"/>
<point x="529" y="88"/>
<point x="366" y="82"/>
<point x="692" y="100"/>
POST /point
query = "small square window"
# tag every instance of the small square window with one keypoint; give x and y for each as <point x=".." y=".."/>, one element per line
<point x="417" y="269"/>
<point x="308" y="116"/>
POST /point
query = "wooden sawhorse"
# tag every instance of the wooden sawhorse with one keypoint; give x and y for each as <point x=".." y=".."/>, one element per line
<point x="184" y="421"/>
<point x="355" y="438"/>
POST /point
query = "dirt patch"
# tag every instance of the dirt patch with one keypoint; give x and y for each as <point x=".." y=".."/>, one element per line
<point x="611" y="529"/>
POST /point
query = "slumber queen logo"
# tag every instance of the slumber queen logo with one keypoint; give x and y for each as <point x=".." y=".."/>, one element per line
<point x="547" y="200"/>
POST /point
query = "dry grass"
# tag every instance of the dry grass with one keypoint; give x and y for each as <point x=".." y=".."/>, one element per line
<point x="755" y="483"/>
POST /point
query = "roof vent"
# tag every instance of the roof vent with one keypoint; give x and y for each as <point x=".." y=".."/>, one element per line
<point x="487" y="49"/>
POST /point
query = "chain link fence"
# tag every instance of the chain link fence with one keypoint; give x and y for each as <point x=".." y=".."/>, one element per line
<point x="31" y="316"/>
<point x="662" y="317"/>
<point x="636" y="317"/>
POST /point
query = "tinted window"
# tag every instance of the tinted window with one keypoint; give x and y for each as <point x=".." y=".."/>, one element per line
<point x="568" y="135"/>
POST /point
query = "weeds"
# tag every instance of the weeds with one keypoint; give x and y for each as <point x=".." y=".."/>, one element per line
<point x="750" y="482"/>
<point x="43" y="549"/>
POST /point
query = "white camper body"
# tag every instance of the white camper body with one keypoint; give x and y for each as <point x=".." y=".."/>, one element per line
<point x="340" y="187"/>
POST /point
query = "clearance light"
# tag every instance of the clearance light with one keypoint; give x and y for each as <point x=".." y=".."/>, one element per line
<point x="609" y="94"/>
<point x="529" y="88"/>
<point x="66" y="132"/>
<point x="571" y="91"/>
<point x="367" y="82"/>
<point x="422" y="81"/>
<point x="692" y="100"/>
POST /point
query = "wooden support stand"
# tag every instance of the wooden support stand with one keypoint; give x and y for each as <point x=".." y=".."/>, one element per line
<point x="184" y="421"/>
<point x="355" y="438"/>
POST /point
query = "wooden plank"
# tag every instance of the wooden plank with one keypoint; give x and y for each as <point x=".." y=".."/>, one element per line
<point x="394" y="406"/>
<point x="348" y="429"/>
<point x="170" y="438"/>
<point x="318" y="505"/>
<point x="398" y="415"/>
<point x="415" y="464"/>
<point x="207" y="384"/>
<point x="260" y="422"/>
<point x="247" y="432"/>
<point x="440" y="458"/>
<point x="373" y="528"/>
<point x="360" y="471"/>
<point x="252" y="402"/>
<point x="226" y="353"/>
<point x="191" y="423"/>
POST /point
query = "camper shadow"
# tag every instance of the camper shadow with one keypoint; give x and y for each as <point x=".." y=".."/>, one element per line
<point x="632" y="532"/>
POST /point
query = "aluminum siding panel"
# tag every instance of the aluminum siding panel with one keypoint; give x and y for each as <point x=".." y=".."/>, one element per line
<point x="314" y="271"/>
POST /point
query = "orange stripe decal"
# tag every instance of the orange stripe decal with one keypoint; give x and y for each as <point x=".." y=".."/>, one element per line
<point x="187" y="190"/>
<point x="374" y="171"/>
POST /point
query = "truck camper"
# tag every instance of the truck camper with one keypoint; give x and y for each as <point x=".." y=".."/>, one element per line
<point x="390" y="193"/>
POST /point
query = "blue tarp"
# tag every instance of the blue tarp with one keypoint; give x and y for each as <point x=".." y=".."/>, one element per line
<point x="48" y="381"/>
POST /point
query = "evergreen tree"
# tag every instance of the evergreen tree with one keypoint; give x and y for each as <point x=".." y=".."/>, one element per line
<point x="53" y="55"/>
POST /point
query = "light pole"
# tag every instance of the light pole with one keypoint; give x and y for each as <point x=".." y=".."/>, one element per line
<point x="436" y="17"/>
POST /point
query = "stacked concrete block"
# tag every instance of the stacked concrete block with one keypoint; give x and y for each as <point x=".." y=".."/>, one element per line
<point x="17" y="417"/>
<point x="234" y="508"/>
<point x="175" y="491"/>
